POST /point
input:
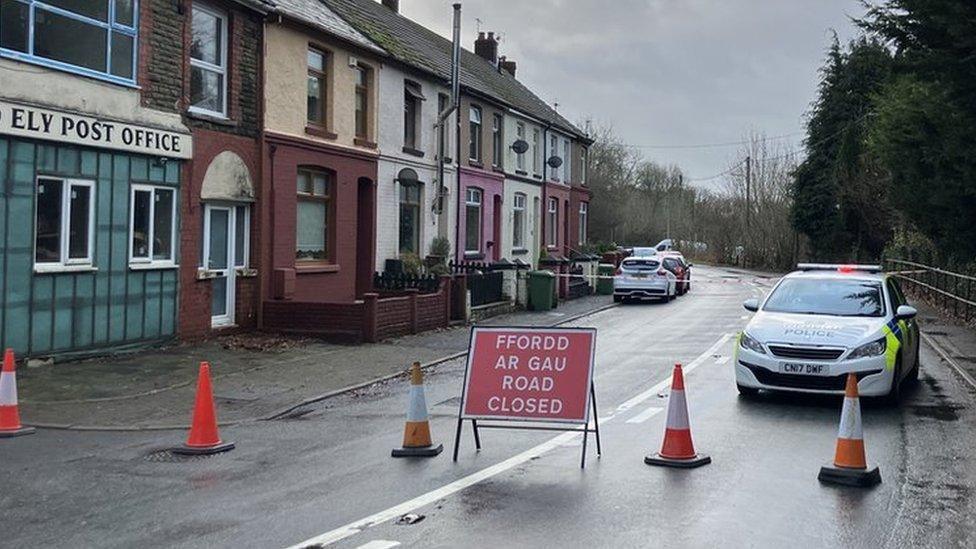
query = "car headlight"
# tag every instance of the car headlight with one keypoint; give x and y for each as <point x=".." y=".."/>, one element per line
<point x="748" y="342"/>
<point x="874" y="348"/>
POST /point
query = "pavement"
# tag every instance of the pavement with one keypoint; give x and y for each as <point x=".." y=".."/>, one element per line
<point x="325" y="477"/>
<point x="256" y="376"/>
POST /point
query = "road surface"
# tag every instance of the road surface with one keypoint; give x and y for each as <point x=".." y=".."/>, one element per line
<point x="325" y="475"/>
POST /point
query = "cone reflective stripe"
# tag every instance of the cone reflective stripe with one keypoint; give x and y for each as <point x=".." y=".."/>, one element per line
<point x="416" y="433"/>
<point x="850" y="465"/>
<point x="678" y="450"/>
<point x="204" y="438"/>
<point x="9" y="409"/>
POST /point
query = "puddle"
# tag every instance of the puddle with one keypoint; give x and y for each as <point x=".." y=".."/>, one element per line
<point x="939" y="412"/>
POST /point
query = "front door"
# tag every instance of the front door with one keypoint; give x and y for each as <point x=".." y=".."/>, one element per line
<point x="218" y="257"/>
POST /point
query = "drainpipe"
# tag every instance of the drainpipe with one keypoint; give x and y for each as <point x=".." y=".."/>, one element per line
<point x="439" y="127"/>
<point x="544" y="244"/>
<point x="456" y="107"/>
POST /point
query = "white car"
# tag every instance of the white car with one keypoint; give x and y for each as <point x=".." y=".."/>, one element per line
<point x="643" y="277"/>
<point x="824" y="321"/>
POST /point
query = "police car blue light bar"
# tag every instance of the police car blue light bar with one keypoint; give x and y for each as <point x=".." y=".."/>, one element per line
<point x="838" y="267"/>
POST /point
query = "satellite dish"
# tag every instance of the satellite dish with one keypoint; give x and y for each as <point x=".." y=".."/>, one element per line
<point x="520" y="146"/>
<point x="554" y="162"/>
<point x="408" y="176"/>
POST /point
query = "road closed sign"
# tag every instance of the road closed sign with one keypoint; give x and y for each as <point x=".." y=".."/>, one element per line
<point x="529" y="374"/>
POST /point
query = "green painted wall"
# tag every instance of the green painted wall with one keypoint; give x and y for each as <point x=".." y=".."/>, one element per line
<point x="52" y="314"/>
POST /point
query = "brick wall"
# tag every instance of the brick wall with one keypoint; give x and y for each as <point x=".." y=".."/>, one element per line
<point x="394" y="317"/>
<point x="161" y="55"/>
<point x="337" y="321"/>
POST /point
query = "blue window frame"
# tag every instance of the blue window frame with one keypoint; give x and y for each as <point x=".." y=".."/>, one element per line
<point x="94" y="38"/>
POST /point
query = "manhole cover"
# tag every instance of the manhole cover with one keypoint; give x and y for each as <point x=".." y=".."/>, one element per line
<point x="166" y="455"/>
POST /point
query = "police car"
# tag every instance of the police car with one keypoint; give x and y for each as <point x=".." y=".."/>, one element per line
<point x="824" y="321"/>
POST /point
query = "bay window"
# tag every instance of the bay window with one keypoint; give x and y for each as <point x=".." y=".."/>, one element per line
<point x="152" y="225"/>
<point x="313" y="226"/>
<point x="94" y="38"/>
<point x="208" y="61"/>
<point x="63" y="222"/>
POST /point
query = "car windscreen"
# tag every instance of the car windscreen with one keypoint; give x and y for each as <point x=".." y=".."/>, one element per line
<point x="639" y="264"/>
<point x="827" y="296"/>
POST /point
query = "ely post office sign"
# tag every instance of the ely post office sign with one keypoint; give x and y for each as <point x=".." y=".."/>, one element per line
<point x="51" y="125"/>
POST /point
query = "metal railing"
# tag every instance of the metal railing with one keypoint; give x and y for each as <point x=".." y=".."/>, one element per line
<point x="953" y="292"/>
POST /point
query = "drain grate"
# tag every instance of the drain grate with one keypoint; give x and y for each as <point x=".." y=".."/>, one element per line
<point x="166" y="455"/>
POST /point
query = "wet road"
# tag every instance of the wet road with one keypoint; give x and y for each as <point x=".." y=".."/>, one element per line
<point x="326" y="474"/>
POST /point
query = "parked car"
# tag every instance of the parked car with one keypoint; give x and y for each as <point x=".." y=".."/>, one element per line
<point x="675" y="262"/>
<point x="643" y="277"/>
<point x="642" y="251"/>
<point x="823" y="322"/>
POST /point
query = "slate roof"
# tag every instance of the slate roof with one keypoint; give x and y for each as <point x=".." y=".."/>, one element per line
<point x="263" y="6"/>
<point x="417" y="46"/>
<point x="318" y="15"/>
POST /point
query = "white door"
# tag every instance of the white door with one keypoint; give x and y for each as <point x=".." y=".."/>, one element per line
<point x="218" y="259"/>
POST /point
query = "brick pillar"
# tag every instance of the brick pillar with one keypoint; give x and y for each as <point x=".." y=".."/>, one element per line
<point x="370" y="304"/>
<point x="446" y="296"/>
<point x="459" y="295"/>
<point x="414" y="320"/>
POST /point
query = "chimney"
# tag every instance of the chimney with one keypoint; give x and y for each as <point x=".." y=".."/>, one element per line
<point x="393" y="5"/>
<point x="506" y="65"/>
<point x="487" y="47"/>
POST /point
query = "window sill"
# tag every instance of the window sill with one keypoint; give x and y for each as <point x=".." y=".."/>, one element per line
<point x="523" y="173"/>
<point x="317" y="268"/>
<point x="475" y="164"/>
<point x="498" y="169"/>
<point x="520" y="251"/>
<point x="537" y="176"/>
<point x="360" y="142"/>
<point x="54" y="269"/>
<point x="319" y="131"/>
<point x="413" y="152"/>
<point x="474" y="255"/>
<point x="447" y="160"/>
<point x="245" y="272"/>
<point x="212" y="118"/>
<point x="158" y="266"/>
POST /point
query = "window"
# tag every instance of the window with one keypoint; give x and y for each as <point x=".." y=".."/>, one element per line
<point x="242" y="233"/>
<point x="208" y="62"/>
<point x="152" y="224"/>
<point x="566" y="162"/>
<point x="552" y="219"/>
<point x="583" y="212"/>
<point x="518" y="221"/>
<point x="409" y="219"/>
<point x="472" y="221"/>
<point x="95" y="38"/>
<point x="362" y="102"/>
<point x="314" y="215"/>
<point x="411" y="114"/>
<point x="537" y="151"/>
<point x="827" y="296"/>
<point x="520" y="157"/>
<point x="316" y="87"/>
<point x="474" y="129"/>
<point x="583" y="153"/>
<point x="553" y="151"/>
<point x="496" y="140"/>
<point x="64" y="222"/>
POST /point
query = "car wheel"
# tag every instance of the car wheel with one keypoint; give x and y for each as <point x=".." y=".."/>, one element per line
<point x="893" y="398"/>
<point x="912" y="377"/>
<point x="617" y="298"/>
<point x="747" y="392"/>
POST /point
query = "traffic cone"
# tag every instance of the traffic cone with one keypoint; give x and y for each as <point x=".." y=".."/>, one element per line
<point x="204" y="438"/>
<point x="678" y="450"/>
<point x="9" y="413"/>
<point x="850" y="466"/>
<point x="416" y="434"/>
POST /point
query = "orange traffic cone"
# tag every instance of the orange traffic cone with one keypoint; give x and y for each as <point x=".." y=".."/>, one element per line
<point x="416" y="434"/>
<point x="678" y="450"/>
<point x="850" y="466"/>
<point x="9" y="412"/>
<point x="204" y="438"/>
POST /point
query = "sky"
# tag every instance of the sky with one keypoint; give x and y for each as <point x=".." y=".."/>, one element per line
<point x="665" y="73"/>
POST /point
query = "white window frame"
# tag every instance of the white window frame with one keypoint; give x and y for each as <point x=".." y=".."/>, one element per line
<point x="553" y="151"/>
<point x="479" y="202"/>
<point x="149" y="262"/>
<point x="584" y="219"/>
<point x="520" y="157"/>
<point x="497" y="146"/>
<point x="247" y="236"/>
<point x="519" y="202"/>
<point x="538" y="151"/>
<point x="567" y="161"/>
<point x="552" y="219"/>
<point x="475" y="138"/>
<point x="222" y="69"/>
<point x="64" y="262"/>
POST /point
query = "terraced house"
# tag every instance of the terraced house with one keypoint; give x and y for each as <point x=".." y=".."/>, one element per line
<point x="179" y="168"/>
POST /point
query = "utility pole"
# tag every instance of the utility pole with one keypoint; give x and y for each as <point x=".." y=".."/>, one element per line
<point x="748" y="189"/>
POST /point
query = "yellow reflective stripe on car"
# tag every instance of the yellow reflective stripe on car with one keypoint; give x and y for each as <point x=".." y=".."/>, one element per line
<point x="893" y="344"/>
<point x="735" y="353"/>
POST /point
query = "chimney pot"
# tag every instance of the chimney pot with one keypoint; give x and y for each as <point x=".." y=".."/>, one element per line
<point x="393" y="5"/>
<point x="487" y="47"/>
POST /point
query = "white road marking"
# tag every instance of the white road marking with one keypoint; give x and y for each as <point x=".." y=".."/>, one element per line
<point x="422" y="500"/>
<point x="722" y="360"/>
<point x="646" y="415"/>
<point x="667" y="382"/>
<point x="379" y="544"/>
